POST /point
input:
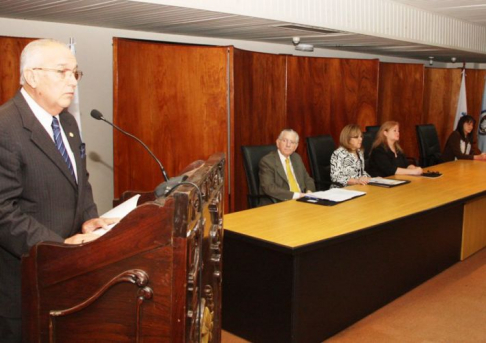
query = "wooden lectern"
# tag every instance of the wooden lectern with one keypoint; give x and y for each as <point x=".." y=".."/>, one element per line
<point x="155" y="277"/>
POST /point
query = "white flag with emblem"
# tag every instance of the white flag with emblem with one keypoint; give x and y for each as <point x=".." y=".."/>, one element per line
<point x="74" y="107"/>
<point x="462" y="103"/>
<point x="482" y="124"/>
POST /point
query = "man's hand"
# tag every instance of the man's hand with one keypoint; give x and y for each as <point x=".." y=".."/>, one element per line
<point x="88" y="227"/>
<point x="98" y="223"/>
<point x="81" y="238"/>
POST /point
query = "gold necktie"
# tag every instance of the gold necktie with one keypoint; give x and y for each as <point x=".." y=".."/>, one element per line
<point x="294" y="187"/>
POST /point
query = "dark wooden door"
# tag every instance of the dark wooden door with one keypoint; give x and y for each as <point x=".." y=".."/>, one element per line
<point x="10" y="50"/>
<point x="175" y="98"/>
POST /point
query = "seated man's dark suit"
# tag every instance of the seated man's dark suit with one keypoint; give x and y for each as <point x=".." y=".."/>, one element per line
<point x="39" y="198"/>
<point x="273" y="179"/>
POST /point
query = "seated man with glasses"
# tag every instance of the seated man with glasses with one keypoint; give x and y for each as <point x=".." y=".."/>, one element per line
<point x="282" y="173"/>
<point x="44" y="194"/>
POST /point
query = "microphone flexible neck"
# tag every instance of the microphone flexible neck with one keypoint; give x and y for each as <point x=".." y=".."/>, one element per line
<point x="143" y="144"/>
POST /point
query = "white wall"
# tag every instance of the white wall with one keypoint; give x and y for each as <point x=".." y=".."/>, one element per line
<point x="95" y="58"/>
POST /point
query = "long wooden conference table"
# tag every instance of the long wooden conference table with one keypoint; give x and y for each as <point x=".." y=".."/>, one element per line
<point x="299" y="272"/>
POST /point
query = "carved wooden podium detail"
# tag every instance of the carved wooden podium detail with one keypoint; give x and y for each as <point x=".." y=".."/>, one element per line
<point x="135" y="276"/>
<point x="155" y="277"/>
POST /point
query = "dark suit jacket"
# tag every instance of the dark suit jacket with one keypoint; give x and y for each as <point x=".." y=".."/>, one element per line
<point x="273" y="180"/>
<point x="382" y="162"/>
<point x="39" y="198"/>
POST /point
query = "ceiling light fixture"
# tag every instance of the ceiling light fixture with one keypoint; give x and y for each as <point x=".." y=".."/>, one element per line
<point x="301" y="46"/>
<point x="304" y="47"/>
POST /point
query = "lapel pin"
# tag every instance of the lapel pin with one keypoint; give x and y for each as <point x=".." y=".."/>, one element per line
<point x="71" y="134"/>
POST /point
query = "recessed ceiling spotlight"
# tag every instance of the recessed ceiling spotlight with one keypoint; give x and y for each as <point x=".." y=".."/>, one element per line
<point x="304" y="47"/>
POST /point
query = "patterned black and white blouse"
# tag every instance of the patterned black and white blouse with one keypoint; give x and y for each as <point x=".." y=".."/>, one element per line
<point x="346" y="165"/>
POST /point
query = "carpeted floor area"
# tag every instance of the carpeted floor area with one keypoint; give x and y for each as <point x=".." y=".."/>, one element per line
<point x="450" y="307"/>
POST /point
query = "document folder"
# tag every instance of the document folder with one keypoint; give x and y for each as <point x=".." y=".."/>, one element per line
<point x="331" y="197"/>
<point x="381" y="182"/>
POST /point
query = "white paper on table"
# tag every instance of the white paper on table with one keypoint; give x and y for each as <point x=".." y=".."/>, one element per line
<point x="119" y="212"/>
<point x="335" y="194"/>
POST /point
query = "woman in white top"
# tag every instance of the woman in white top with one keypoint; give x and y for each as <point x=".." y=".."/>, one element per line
<point x="347" y="161"/>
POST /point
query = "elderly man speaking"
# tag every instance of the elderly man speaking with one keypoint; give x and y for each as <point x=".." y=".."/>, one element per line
<point x="44" y="190"/>
<point x="282" y="173"/>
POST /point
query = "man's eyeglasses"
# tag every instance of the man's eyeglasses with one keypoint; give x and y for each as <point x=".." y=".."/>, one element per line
<point x="285" y="141"/>
<point x="64" y="73"/>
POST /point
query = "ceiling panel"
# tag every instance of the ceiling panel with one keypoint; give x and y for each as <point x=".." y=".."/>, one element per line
<point x="151" y="17"/>
<point x="473" y="11"/>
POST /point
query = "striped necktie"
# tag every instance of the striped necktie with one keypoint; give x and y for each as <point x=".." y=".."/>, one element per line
<point x="294" y="187"/>
<point x="60" y="145"/>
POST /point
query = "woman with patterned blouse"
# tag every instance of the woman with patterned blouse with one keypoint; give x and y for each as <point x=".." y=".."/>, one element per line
<point x="347" y="161"/>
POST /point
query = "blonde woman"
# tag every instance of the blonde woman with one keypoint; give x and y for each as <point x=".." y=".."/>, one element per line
<point x="387" y="157"/>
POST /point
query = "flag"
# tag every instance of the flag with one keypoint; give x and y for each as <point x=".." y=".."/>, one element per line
<point x="74" y="107"/>
<point x="482" y="125"/>
<point x="462" y="103"/>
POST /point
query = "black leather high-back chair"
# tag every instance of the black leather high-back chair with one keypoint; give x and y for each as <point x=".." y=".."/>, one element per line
<point x="372" y="130"/>
<point x="319" y="150"/>
<point x="429" y="146"/>
<point x="368" y="139"/>
<point x="251" y="159"/>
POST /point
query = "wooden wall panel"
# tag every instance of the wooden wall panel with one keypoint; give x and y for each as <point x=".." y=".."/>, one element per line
<point x="401" y="98"/>
<point x="309" y="97"/>
<point x="441" y="93"/>
<point x="10" y="50"/>
<point x="324" y="95"/>
<point x="175" y="98"/>
<point x="259" y="116"/>
<point x="355" y="89"/>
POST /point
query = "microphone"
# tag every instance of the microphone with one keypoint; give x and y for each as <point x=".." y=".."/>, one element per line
<point x="98" y="116"/>
<point x="165" y="187"/>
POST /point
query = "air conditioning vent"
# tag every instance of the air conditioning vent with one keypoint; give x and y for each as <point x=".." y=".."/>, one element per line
<point x="308" y="29"/>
